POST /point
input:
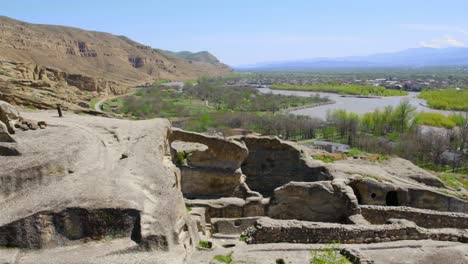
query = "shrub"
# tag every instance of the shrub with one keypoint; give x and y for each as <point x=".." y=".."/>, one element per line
<point x="204" y="244"/>
<point x="355" y="152"/>
<point x="328" y="255"/>
<point x="224" y="258"/>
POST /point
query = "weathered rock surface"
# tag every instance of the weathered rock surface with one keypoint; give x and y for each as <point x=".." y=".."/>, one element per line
<point x="370" y="191"/>
<point x="232" y="225"/>
<point x="207" y="182"/>
<point x="79" y="188"/>
<point x="212" y="166"/>
<point x="220" y="153"/>
<point x="322" y="201"/>
<point x="387" y="170"/>
<point x="395" y="252"/>
<point x="8" y="116"/>
<point x="50" y="229"/>
<point x="4" y="134"/>
<point x="272" y="163"/>
<point x="231" y="207"/>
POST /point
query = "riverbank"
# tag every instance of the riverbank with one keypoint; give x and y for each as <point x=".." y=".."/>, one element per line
<point x="352" y="90"/>
<point x="292" y="109"/>
<point x="358" y="105"/>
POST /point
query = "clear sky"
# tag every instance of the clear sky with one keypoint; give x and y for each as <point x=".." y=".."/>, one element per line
<point x="248" y="31"/>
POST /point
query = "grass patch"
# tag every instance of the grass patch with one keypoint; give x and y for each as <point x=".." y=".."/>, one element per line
<point x="434" y="119"/>
<point x="32" y="107"/>
<point x="326" y="159"/>
<point x="224" y="258"/>
<point x="93" y="102"/>
<point x="154" y="102"/>
<point x="204" y="244"/>
<point x="355" y="152"/>
<point x="162" y="81"/>
<point x="455" y="181"/>
<point x="181" y="158"/>
<point x="243" y="238"/>
<point x="365" y="90"/>
<point x="450" y="99"/>
<point x="331" y="157"/>
<point x="330" y="254"/>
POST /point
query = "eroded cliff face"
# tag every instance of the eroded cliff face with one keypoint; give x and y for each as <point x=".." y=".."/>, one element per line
<point x="41" y="65"/>
<point x="43" y="87"/>
<point x="96" y="54"/>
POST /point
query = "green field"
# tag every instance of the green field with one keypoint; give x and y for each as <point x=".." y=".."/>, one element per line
<point x="194" y="101"/>
<point x="438" y="120"/>
<point x="449" y="99"/>
<point x="342" y="89"/>
<point x="151" y="103"/>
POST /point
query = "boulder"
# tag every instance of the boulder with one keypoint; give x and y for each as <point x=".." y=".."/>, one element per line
<point x="322" y="201"/>
<point x="4" y="135"/>
<point x="8" y="115"/>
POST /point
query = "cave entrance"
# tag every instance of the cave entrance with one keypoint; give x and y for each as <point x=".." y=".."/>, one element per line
<point x="357" y="194"/>
<point x="391" y="199"/>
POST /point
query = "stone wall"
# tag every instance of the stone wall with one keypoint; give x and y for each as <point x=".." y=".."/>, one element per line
<point x="378" y="215"/>
<point x="232" y="225"/>
<point x="231" y="207"/>
<point x="268" y="230"/>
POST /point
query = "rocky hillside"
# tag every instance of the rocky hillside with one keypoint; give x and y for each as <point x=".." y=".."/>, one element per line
<point x="54" y="58"/>
<point x="202" y="56"/>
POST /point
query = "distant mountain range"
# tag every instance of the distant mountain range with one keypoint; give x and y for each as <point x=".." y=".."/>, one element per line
<point x="416" y="57"/>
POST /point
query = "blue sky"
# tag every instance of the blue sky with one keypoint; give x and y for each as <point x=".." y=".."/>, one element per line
<point x="249" y="31"/>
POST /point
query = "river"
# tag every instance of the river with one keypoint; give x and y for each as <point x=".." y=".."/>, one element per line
<point x="353" y="104"/>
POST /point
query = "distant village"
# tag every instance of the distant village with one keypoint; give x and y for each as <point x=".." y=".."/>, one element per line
<point x="412" y="85"/>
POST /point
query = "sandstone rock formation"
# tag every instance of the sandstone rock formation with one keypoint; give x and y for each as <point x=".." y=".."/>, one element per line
<point x="91" y="53"/>
<point x="101" y="178"/>
<point x="220" y="153"/>
<point x="109" y="191"/>
<point x="9" y="116"/>
<point x="272" y="163"/>
<point x="321" y="201"/>
<point x="213" y="165"/>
